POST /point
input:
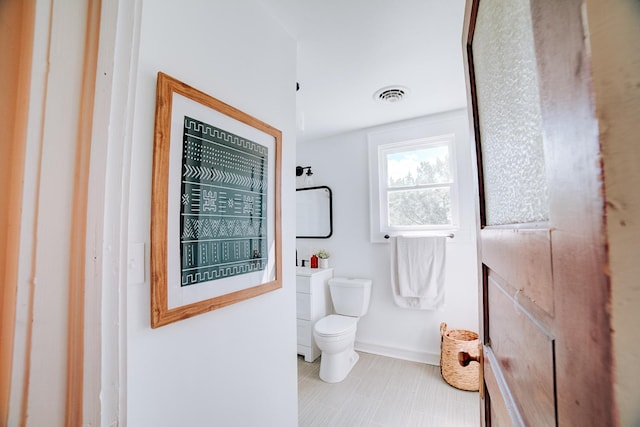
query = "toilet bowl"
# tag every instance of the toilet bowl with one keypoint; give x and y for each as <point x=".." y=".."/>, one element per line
<point x="335" y="334"/>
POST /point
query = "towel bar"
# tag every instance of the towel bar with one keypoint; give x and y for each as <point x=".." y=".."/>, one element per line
<point x="450" y="235"/>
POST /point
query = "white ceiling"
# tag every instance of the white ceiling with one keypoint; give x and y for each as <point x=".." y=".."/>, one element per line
<point x="348" y="49"/>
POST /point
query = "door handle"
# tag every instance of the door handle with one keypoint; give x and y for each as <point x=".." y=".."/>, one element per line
<point x="465" y="358"/>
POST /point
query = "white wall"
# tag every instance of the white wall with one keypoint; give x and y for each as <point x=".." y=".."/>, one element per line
<point x="341" y="162"/>
<point x="236" y="365"/>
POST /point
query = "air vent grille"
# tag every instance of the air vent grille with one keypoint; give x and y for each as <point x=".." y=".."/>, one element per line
<point x="391" y="94"/>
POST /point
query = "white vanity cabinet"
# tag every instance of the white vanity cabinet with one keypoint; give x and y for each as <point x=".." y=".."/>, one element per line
<point x="313" y="302"/>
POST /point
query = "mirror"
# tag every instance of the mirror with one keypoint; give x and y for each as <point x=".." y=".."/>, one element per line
<point x="314" y="217"/>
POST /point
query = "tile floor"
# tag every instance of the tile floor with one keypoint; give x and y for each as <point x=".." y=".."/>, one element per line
<point x="383" y="392"/>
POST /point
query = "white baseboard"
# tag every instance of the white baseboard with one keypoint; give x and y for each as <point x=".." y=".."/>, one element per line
<point x="399" y="353"/>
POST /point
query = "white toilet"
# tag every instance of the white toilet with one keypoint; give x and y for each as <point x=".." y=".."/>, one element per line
<point x="335" y="334"/>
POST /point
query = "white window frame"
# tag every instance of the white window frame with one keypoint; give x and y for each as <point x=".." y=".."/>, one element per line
<point x="432" y="132"/>
<point x="384" y="189"/>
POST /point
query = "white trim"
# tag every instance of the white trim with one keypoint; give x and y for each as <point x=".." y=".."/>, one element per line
<point x="437" y="126"/>
<point x="107" y="216"/>
<point x="120" y="144"/>
<point x="399" y="353"/>
<point x="384" y="189"/>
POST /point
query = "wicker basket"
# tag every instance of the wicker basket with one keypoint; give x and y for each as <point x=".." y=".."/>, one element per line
<point x="453" y="342"/>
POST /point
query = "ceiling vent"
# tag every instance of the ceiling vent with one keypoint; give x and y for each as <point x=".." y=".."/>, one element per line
<point x="391" y="94"/>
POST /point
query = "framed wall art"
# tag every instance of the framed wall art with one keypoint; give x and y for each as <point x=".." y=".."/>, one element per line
<point x="215" y="204"/>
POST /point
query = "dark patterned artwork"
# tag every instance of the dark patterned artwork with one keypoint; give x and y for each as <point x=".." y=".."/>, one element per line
<point x="223" y="204"/>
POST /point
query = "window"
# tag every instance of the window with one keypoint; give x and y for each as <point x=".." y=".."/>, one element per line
<point x="416" y="185"/>
<point x="412" y="176"/>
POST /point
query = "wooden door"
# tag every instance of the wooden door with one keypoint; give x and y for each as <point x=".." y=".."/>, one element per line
<point x="17" y="19"/>
<point x="544" y="295"/>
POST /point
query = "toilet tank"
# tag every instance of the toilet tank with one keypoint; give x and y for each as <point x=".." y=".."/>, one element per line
<point x="350" y="296"/>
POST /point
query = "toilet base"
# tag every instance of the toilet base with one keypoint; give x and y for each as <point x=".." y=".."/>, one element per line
<point x="335" y="367"/>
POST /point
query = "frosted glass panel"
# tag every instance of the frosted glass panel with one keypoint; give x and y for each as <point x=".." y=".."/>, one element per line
<point x="509" y="114"/>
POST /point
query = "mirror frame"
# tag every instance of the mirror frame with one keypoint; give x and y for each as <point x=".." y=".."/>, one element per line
<point x="330" y="212"/>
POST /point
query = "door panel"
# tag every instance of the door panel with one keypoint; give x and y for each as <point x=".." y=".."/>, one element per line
<point x="524" y="354"/>
<point x="545" y="292"/>
<point x="523" y="258"/>
<point x="500" y="407"/>
<point x="515" y="237"/>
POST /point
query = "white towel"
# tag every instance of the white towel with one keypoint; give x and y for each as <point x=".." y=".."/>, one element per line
<point x="417" y="271"/>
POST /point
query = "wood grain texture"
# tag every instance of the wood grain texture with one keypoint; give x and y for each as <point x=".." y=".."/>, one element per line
<point x="499" y="403"/>
<point x="160" y="313"/>
<point x="581" y="285"/>
<point x="524" y="352"/>
<point x="522" y="255"/>
<point x="560" y="267"/>
<point x="16" y="43"/>
<point x="614" y="28"/>
<point x="77" y="259"/>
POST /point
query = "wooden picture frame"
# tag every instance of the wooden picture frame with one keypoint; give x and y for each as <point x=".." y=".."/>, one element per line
<point x="215" y="205"/>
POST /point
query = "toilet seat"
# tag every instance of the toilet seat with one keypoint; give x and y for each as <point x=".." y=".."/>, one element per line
<point x="335" y="324"/>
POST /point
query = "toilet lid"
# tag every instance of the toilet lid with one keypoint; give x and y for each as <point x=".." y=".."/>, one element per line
<point x="335" y="325"/>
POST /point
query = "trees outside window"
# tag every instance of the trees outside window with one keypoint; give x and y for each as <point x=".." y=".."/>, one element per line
<point x="417" y="184"/>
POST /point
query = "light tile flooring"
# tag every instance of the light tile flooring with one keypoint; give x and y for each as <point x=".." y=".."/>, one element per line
<point x="383" y="392"/>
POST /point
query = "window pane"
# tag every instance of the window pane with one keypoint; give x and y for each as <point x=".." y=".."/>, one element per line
<point x="420" y="166"/>
<point x="430" y="206"/>
<point x="510" y="117"/>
